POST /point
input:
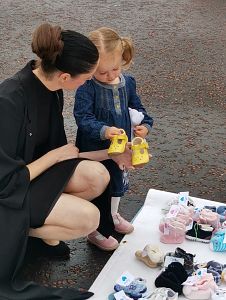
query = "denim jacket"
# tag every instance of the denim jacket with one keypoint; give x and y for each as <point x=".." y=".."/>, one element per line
<point x="98" y="105"/>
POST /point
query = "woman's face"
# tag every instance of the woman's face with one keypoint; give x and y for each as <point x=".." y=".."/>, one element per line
<point x="72" y="83"/>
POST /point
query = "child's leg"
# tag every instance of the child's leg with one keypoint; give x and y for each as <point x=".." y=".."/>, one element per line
<point x="114" y="205"/>
<point x="121" y="225"/>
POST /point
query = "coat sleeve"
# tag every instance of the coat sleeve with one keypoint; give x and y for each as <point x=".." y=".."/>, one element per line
<point x="84" y="113"/>
<point x="14" y="175"/>
<point x="135" y="102"/>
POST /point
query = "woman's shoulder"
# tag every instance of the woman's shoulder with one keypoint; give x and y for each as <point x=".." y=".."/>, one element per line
<point x="12" y="90"/>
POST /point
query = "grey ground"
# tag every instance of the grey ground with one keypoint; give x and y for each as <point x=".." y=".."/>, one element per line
<point x="180" y="71"/>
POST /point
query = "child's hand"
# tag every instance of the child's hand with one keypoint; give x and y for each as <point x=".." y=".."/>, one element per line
<point x="111" y="131"/>
<point x="141" y="131"/>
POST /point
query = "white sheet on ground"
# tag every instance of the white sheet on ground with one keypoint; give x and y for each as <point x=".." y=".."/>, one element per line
<point x="146" y="232"/>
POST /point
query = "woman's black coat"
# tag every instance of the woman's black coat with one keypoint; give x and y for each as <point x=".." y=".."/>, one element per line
<point x="17" y="130"/>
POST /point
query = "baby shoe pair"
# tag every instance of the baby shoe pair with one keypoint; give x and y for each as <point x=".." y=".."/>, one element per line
<point x="207" y="216"/>
<point x="139" y="146"/>
<point x="134" y="290"/>
<point x="151" y="255"/>
<point x="187" y="257"/>
<point x="200" y="232"/>
<point x="172" y="231"/>
<point x="175" y="201"/>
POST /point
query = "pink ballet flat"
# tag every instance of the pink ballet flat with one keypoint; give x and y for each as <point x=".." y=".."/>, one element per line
<point x="101" y="242"/>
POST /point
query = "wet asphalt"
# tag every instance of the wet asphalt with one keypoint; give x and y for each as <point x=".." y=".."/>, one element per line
<point x="181" y="75"/>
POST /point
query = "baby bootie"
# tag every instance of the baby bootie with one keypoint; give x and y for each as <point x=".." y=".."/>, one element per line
<point x="172" y="231"/>
<point x="207" y="216"/>
<point x="163" y="293"/>
<point x="151" y="255"/>
<point x="202" y="288"/>
<point x="118" y="143"/>
<point x="140" y="155"/>
<point x="221" y="210"/>
<point x="216" y="266"/>
<point x="200" y="233"/>
<point x="179" y="270"/>
<point x="217" y="243"/>
<point x="188" y="259"/>
<point x="211" y="267"/>
<point x="172" y="277"/>
<point x="135" y="289"/>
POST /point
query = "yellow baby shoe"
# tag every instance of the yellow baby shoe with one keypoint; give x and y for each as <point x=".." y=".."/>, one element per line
<point x="140" y="155"/>
<point x="118" y="143"/>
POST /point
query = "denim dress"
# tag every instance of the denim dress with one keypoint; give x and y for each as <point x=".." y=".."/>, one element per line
<point x="98" y="106"/>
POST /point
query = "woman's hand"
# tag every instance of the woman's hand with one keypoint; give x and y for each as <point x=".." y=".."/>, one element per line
<point x="43" y="163"/>
<point x="65" y="152"/>
<point x="124" y="160"/>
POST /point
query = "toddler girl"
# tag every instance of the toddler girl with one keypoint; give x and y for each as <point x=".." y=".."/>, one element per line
<point x="102" y="109"/>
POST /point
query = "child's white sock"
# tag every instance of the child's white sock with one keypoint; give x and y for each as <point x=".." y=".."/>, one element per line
<point x="114" y="205"/>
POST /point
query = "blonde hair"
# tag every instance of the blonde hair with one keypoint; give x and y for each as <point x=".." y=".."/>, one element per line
<point x="108" y="40"/>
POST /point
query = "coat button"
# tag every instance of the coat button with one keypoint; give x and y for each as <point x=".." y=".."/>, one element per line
<point x="30" y="133"/>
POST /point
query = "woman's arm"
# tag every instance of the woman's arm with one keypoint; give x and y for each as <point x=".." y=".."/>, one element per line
<point x="52" y="157"/>
<point x="123" y="160"/>
<point x="97" y="155"/>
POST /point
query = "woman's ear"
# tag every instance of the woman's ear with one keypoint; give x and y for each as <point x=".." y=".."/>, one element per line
<point x="64" y="77"/>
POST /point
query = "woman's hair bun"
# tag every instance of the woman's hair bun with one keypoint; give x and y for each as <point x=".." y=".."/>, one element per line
<point x="47" y="43"/>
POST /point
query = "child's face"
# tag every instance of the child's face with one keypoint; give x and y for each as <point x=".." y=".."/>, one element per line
<point x="109" y="67"/>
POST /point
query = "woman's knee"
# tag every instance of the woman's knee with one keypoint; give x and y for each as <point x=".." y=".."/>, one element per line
<point x="88" y="220"/>
<point x="98" y="178"/>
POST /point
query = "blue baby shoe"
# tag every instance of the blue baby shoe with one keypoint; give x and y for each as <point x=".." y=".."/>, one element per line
<point x="135" y="289"/>
<point x="216" y="274"/>
<point x="216" y="266"/>
<point x="221" y="210"/>
<point x="217" y="243"/>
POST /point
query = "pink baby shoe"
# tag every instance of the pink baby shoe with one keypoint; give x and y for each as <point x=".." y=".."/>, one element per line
<point x="207" y="216"/>
<point x="172" y="232"/>
<point x="121" y="225"/>
<point x="202" y="288"/>
<point x="100" y="241"/>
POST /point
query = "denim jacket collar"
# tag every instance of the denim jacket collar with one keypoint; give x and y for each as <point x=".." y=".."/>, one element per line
<point x="111" y="86"/>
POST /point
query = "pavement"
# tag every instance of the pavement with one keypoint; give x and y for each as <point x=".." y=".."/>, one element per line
<point x="180" y="71"/>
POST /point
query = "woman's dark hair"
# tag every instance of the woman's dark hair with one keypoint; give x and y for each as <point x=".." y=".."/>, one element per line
<point x="64" y="50"/>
